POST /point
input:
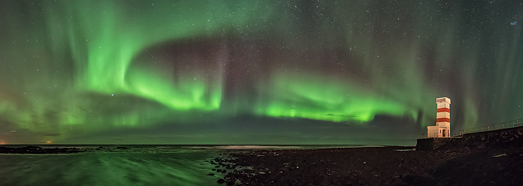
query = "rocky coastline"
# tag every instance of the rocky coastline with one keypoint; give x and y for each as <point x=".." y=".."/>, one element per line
<point x="494" y="158"/>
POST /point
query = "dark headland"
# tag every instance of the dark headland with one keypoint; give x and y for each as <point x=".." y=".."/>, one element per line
<point x="493" y="158"/>
<point x="31" y="149"/>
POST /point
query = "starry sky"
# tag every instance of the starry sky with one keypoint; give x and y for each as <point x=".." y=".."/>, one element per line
<point x="254" y="72"/>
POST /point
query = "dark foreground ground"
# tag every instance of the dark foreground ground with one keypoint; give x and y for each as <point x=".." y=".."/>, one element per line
<point x="486" y="158"/>
<point x="375" y="166"/>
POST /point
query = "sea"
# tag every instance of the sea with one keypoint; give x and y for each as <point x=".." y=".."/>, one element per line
<point x="111" y="165"/>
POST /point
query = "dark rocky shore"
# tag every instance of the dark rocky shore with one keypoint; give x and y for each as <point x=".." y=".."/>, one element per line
<point x="376" y="166"/>
<point x="38" y="150"/>
<point x="483" y="159"/>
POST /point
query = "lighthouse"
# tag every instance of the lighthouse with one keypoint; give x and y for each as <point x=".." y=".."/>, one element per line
<point x="442" y="128"/>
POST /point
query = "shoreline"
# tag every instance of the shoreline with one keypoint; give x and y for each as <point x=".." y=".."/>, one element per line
<point x="372" y="166"/>
<point x="471" y="161"/>
<point x="31" y="149"/>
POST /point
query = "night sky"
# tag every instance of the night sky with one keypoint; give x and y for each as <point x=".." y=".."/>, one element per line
<point x="254" y="72"/>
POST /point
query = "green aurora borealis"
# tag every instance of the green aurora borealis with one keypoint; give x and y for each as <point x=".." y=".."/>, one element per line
<point x="129" y="71"/>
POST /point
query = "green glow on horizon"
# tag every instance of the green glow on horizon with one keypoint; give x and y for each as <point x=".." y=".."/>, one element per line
<point x="330" y="99"/>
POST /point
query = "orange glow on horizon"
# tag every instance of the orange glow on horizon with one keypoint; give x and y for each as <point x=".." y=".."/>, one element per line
<point x="48" y="142"/>
<point x="2" y="143"/>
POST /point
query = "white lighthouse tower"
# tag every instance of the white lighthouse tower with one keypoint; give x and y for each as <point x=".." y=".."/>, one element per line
<point x="442" y="128"/>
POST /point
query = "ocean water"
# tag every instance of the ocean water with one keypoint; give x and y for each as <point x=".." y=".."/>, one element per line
<point x="123" y="167"/>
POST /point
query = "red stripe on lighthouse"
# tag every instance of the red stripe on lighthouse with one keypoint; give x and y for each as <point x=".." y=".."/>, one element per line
<point x="443" y="120"/>
<point x="443" y="110"/>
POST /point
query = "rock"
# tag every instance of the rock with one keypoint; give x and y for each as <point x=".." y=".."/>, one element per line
<point x="499" y="155"/>
<point x="220" y="181"/>
<point x="237" y="182"/>
<point x="481" y="146"/>
<point x="33" y="147"/>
